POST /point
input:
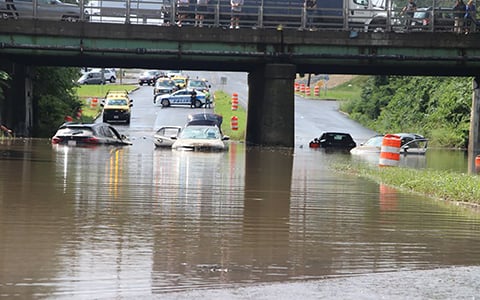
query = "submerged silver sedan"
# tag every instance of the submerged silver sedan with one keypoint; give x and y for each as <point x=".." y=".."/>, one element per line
<point x="201" y="138"/>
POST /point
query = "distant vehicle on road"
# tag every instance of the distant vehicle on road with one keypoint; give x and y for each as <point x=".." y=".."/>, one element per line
<point x="78" y="134"/>
<point x="180" y="97"/>
<point x="116" y="107"/>
<point x="149" y="77"/>
<point x="91" y="77"/>
<point x="164" y="86"/>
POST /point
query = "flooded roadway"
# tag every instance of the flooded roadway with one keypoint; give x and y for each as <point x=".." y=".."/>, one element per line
<point x="139" y="222"/>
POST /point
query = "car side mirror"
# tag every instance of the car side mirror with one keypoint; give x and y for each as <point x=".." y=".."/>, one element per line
<point x="225" y="138"/>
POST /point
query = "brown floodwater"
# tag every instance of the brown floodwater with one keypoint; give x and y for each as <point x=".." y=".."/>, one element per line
<point x="106" y="222"/>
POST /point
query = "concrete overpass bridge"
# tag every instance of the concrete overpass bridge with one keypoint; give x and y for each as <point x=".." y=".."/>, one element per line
<point x="272" y="57"/>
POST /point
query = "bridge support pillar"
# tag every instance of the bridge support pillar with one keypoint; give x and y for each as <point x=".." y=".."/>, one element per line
<point x="271" y="114"/>
<point x="16" y="112"/>
<point x="474" y="135"/>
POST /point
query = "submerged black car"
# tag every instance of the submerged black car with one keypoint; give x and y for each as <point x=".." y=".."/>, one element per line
<point x="74" y="134"/>
<point x="334" y="141"/>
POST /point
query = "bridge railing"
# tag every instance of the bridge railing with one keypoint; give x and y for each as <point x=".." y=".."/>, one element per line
<point x="218" y="14"/>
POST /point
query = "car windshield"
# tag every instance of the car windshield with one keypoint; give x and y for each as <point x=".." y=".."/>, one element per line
<point x="165" y="83"/>
<point x="179" y="80"/>
<point x="197" y="84"/>
<point x="117" y="102"/>
<point x="420" y="15"/>
<point x="200" y="132"/>
<point x="375" y="141"/>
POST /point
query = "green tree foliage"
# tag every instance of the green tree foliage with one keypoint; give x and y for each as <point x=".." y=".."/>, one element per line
<point x="55" y="98"/>
<point x="437" y="107"/>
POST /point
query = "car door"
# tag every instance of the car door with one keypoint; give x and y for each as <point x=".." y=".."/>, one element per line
<point x="181" y="97"/>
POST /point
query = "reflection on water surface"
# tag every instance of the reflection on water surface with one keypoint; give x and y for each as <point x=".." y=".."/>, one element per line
<point x="108" y="222"/>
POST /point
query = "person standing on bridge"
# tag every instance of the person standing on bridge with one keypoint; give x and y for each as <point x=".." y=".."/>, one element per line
<point x="236" y="6"/>
<point x="408" y="10"/>
<point x="310" y="6"/>
<point x="459" y="13"/>
<point x="182" y="10"/>
<point x="470" y="17"/>
<point x="200" y="11"/>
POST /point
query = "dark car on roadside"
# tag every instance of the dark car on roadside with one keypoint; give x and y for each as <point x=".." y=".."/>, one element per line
<point x="79" y="134"/>
<point x="334" y="141"/>
<point x="149" y="77"/>
<point x="428" y="19"/>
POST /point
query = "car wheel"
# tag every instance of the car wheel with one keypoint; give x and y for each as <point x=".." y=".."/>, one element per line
<point x="165" y="103"/>
<point x="140" y="83"/>
<point x="198" y="103"/>
<point x="112" y="79"/>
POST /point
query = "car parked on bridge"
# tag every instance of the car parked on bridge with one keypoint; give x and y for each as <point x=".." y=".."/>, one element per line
<point x="424" y="18"/>
<point x="79" y="134"/>
<point x="201" y="138"/>
<point x="180" y="97"/>
<point x="46" y="9"/>
<point x="334" y="141"/>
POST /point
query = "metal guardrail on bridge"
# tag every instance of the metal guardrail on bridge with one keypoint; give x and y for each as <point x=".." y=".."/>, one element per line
<point x="218" y="14"/>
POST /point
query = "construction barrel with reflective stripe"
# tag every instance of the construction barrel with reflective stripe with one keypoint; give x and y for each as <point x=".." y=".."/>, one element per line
<point x="390" y="151"/>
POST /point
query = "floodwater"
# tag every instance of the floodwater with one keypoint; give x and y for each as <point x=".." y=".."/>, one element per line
<point x="138" y="222"/>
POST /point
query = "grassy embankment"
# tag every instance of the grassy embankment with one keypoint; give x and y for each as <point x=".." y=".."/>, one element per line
<point x="443" y="185"/>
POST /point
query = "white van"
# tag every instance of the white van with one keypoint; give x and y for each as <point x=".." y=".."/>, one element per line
<point x="92" y="78"/>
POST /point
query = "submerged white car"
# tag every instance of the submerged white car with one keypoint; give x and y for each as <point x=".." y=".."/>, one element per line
<point x="166" y="136"/>
<point x="412" y="143"/>
<point x="201" y="138"/>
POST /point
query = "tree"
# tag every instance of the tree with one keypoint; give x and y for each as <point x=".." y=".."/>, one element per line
<point x="54" y="98"/>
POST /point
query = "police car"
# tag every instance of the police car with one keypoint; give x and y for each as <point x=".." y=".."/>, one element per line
<point x="180" y="97"/>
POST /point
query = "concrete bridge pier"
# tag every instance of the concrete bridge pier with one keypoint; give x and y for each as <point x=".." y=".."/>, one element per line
<point x="16" y="111"/>
<point x="271" y="114"/>
<point x="474" y="137"/>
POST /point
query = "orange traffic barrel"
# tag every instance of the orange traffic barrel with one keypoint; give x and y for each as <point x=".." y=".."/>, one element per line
<point x="234" y="101"/>
<point x="477" y="163"/>
<point x="297" y="87"/>
<point x="94" y="103"/>
<point x="234" y="123"/>
<point x="302" y="88"/>
<point x="316" y="91"/>
<point x="307" y="91"/>
<point x="390" y="151"/>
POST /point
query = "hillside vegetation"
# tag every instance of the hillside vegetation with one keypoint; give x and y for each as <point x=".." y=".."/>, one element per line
<point x="436" y="107"/>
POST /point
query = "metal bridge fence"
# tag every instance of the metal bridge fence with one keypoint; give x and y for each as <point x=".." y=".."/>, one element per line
<point x="218" y="14"/>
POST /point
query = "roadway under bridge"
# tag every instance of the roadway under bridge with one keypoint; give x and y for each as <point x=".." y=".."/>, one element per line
<point x="272" y="57"/>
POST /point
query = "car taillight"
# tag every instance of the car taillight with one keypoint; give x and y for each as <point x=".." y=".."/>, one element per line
<point x="91" y="140"/>
<point x="426" y="22"/>
<point x="56" y="140"/>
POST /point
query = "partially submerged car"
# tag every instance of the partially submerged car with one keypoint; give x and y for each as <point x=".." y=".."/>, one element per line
<point x="80" y="134"/>
<point x="201" y="138"/>
<point x="334" y="141"/>
<point x="411" y="143"/>
<point x="166" y="136"/>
